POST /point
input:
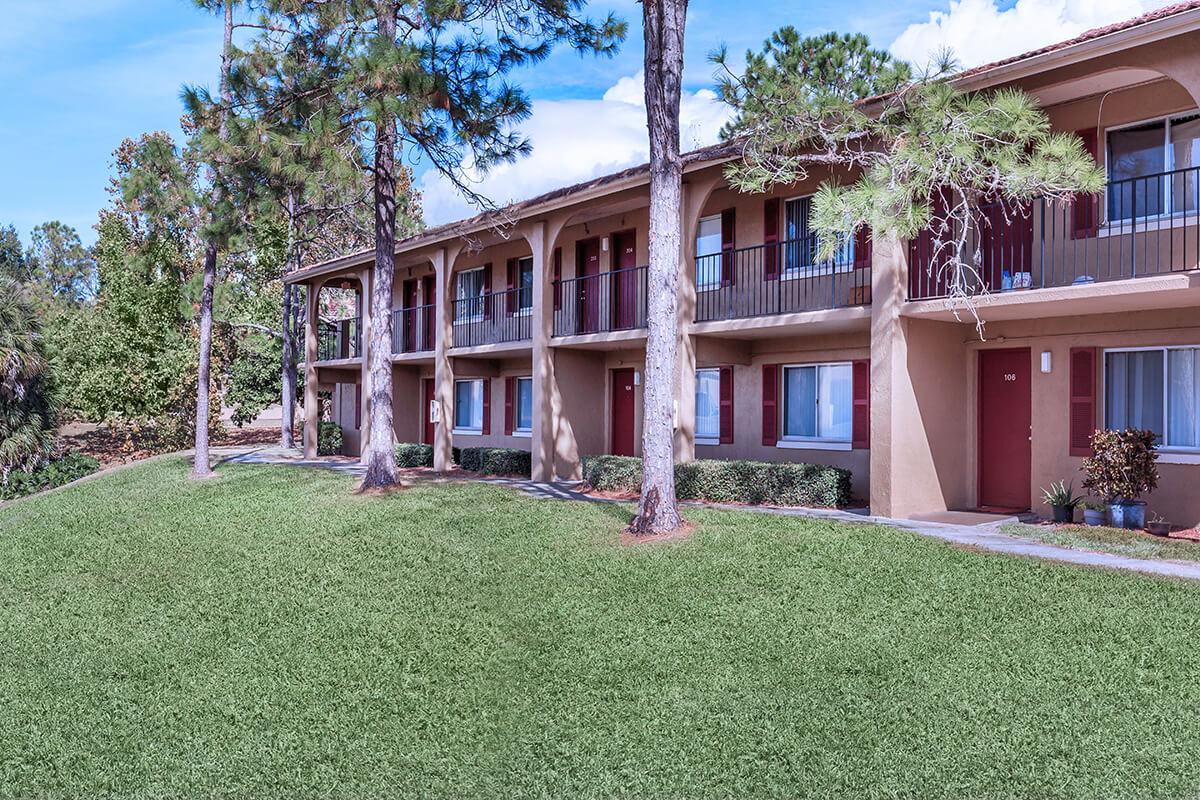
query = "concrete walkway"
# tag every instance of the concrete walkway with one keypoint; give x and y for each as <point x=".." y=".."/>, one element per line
<point x="984" y="536"/>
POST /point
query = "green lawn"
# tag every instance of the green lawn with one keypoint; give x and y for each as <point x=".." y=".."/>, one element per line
<point x="1132" y="544"/>
<point x="267" y="634"/>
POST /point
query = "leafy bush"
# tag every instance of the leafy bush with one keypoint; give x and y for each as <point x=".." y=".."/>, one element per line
<point x="329" y="439"/>
<point x="410" y="455"/>
<point x="495" y="461"/>
<point x="1121" y="467"/>
<point x="752" y="482"/>
<point x="69" y="467"/>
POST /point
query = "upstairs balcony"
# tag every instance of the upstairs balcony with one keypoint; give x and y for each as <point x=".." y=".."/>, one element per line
<point x="601" y="303"/>
<point x="780" y="278"/>
<point x="413" y="330"/>
<point x="338" y="340"/>
<point x="494" y="318"/>
<point x="1139" y="227"/>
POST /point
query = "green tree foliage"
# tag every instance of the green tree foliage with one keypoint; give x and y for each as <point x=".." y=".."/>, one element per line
<point x="27" y="413"/>
<point x="12" y="255"/>
<point x="843" y="66"/>
<point x="61" y="266"/>
<point x="926" y="156"/>
<point x="382" y="76"/>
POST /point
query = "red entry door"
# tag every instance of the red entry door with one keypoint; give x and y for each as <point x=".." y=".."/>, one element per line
<point x="426" y="397"/>
<point x="588" y="263"/>
<point x="624" y="281"/>
<point x="428" y="290"/>
<point x="622" y="412"/>
<point x="1005" y="416"/>
<point x="410" y="316"/>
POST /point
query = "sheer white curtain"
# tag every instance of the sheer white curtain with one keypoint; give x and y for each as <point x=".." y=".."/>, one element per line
<point x="708" y="404"/>
<point x="1133" y="392"/>
<point x="1183" y="423"/>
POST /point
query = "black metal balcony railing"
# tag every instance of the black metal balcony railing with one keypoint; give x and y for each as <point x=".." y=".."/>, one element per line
<point x="1151" y="226"/>
<point x="493" y="318"/>
<point x="778" y="278"/>
<point x="607" y="301"/>
<point x="339" y="339"/>
<point x="412" y="329"/>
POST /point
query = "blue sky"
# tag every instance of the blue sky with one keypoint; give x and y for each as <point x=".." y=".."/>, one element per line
<point x="81" y="75"/>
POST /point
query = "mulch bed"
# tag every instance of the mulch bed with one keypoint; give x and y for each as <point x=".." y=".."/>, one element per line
<point x="110" y="447"/>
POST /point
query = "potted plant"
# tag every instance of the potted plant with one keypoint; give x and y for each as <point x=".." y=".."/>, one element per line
<point x="1062" y="500"/>
<point x="1158" y="526"/>
<point x="1093" y="513"/>
<point x="1121" y="469"/>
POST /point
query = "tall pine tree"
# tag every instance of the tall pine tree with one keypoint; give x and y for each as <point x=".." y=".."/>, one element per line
<point x="428" y="78"/>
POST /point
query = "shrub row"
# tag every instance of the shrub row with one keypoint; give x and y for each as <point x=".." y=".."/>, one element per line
<point x="753" y="482"/>
<point x="485" y="460"/>
<point x="329" y="439"/>
<point x="68" y="467"/>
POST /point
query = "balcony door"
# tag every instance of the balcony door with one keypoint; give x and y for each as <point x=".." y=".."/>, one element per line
<point x="587" y="264"/>
<point x="411" y="301"/>
<point x="624" y="283"/>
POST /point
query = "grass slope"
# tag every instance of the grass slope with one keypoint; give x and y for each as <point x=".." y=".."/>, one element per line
<point x="1132" y="544"/>
<point x="266" y="634"/>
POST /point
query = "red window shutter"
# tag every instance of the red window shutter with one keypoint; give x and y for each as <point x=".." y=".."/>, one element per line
<point x="728" y="235"/>
<point x="726" y="431"/>
<point x="770" y="404"/>
<point x="860" y="435"/>
<point x="1085" y="210"/>
<point x="557" y="278"/>
<point x="510" y="391"/>
<point x="357" y="406"/>
<point x="771" y="240"/>
<point x="487" y="405"/>
<point x="1083" y="400"/>
<point x="487" y="292"/>
<point x="862" y="248"/>
<point x="511" y="296"/>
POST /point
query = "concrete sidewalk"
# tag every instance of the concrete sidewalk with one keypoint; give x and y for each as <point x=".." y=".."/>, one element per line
<point x="983" y="536"/>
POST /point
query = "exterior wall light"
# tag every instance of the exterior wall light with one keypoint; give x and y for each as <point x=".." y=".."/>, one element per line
<point x="1047" y="364"/>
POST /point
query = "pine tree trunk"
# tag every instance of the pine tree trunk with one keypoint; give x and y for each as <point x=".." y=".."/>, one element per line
<point x="287" y="400"/>
<point x="201" y="463"/>
<point x="380" y="457"/>
<point x="663" y="22"/>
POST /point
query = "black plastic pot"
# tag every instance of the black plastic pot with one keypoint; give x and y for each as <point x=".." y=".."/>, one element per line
<point x="1063" y="514"/>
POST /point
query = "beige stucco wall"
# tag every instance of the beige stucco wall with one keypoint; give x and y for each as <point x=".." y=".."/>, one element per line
<point x="1177" y="497"/>
<point x="496" y="372"/>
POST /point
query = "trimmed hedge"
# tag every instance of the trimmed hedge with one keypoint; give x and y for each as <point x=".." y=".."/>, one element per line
<point x="414" y="455"/>
<point x="495" y="460"/>
<point x="752" y="482"/>
<point x="329" y="439"/>
<point x="69" y="467"/>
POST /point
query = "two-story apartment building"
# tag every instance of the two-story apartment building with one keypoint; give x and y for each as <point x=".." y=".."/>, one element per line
<point x="534" y="337"/>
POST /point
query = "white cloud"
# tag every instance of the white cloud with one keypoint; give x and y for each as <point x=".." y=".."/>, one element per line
<point x="575" y="140"/>
<point x="979" y="32"/>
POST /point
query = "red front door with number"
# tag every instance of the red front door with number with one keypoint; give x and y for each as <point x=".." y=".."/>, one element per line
<point x="622" y="412"/>
<point x="1004" y="429"/>
<point x="426" y="398"/>
<point x="588" y="263"/>
<point x="624" y="280"/>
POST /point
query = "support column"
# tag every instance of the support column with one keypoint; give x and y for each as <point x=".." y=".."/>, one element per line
<point x="552" y="439"/>
<point x="695" y="196"/>
<point x="443" y="373"/>
<point x="364" y="352"/>
<point x="312" y="414"/>
<point x="919" y="405"/>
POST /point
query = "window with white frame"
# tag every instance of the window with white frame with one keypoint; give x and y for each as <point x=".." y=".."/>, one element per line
<point x="468" y="406"/>
<point x="708" y="406"/>
<point x="801" y="246"/>
<point x="523" y="412"/>
<point x="1152" y="167"/>
<point x="708" y="252"/>
<point x="469" y="288"/>
<point x="525" y="285"/>
<point x="818" y="402"/>
<point x="1155" y="389"/>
